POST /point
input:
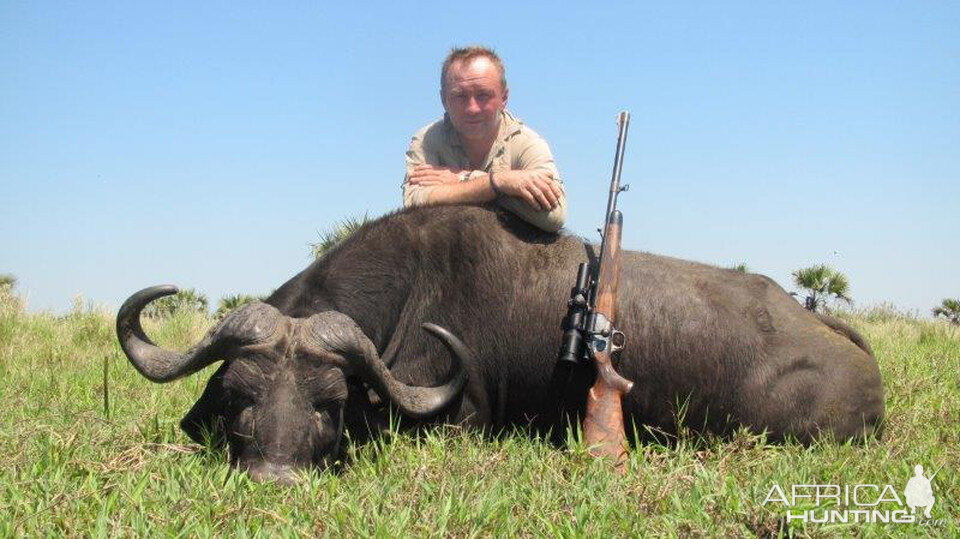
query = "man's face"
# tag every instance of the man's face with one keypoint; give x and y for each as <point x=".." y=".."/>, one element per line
<point x="474" y="98"/>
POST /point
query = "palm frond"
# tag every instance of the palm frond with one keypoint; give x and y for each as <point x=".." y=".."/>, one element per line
<point x="338" y="233"/>
<point x="228" y="304"/>
<point x="821" y="283"/>
<point x="185" y="300"/>
<point x="838" y="286"/>
<point x="812" y="278"/>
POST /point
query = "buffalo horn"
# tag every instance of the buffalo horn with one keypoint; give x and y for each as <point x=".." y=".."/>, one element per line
<point x="250" y="324"/>
<point x="338" y="333"/>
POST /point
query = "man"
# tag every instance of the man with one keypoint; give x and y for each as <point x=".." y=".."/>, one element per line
<point x="479" y="152"/>
<point x="919" y="491"/>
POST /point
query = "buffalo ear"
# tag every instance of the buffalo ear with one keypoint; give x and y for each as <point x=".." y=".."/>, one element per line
<point x="204" y="423"/>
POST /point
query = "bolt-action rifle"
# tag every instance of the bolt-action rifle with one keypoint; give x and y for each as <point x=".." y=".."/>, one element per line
<point x="589" y="331"/>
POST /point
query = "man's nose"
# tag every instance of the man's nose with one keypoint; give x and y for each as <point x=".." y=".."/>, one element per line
<point x="473" y="106"/>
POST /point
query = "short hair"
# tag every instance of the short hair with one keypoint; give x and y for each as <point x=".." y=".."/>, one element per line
<point x="465" y="55"/>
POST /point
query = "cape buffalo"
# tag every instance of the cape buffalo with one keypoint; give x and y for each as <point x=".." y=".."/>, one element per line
<point x="728" y="348"/>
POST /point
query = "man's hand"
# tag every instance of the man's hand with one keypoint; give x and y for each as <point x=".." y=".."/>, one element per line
<point x="535" y="187"/>
<point x="431" y="175"/>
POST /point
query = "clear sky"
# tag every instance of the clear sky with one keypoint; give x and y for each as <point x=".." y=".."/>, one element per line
<point x="206" y="144"/>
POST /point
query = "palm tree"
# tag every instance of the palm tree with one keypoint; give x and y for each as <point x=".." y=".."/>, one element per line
<point x="341" y="230"/>
<point x="184" y="300"/>
<point x="821" y="282"/>
<point x="950" y="309"/>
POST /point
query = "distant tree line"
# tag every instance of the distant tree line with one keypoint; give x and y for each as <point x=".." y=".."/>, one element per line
<point x="949" y="308"/>
<point x="190" y="300"/>
<point x="820" y="283"/>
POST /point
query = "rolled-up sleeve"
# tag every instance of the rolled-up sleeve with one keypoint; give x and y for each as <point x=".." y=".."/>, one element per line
<point x="415" y="195"/>
<point x="550" y="221"/>
<point x="534" y="153"/>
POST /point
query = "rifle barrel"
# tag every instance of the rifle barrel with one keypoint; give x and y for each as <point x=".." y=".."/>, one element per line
<point x="623" y="119"/>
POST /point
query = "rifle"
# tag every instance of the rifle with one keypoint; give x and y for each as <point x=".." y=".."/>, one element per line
<point x="589" y="332"/>
<point x="936" y="472"/>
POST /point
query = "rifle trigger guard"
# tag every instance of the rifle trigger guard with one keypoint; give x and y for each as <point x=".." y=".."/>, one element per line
<point x="617" y="340"/>
<point x="605" y="336"/>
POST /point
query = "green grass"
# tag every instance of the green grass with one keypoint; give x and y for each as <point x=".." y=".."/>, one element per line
<point x="69" y="468"/>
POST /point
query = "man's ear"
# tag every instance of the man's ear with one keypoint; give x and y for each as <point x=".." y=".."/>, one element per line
<point x="443" y="99"/>
<point x="204" y="423"/>
<point x="506" y="95"/>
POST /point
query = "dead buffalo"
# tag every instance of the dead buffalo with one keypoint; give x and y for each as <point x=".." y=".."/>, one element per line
<point x="729" y="348"/>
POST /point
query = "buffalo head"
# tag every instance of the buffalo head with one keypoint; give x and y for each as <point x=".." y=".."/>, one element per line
<point x="278" y="399"/>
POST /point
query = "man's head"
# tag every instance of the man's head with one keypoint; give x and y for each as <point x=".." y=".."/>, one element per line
<point x="473" y="89"/>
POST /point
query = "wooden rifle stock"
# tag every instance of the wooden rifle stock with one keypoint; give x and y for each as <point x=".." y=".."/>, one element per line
<point x="603" y="424"/>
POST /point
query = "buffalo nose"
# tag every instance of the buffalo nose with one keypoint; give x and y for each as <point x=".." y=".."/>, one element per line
<point x="268" y="471"/>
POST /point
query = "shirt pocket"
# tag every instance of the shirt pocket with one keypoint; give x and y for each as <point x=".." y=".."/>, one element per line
<point x="501" y="162"/>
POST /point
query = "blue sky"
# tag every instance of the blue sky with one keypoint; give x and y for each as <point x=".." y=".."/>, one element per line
<point x="206" y="145"/>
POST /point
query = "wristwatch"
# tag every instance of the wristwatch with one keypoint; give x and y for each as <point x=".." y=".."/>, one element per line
<point x="465" y="175"/>
<point x="493" y="186"/>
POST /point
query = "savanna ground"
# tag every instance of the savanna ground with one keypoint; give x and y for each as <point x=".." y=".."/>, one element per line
<point x="68" y="467"/>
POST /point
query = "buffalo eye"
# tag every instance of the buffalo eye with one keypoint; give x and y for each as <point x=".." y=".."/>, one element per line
<point x="318" y="420"/>
<point x="328" y="408"/>
<point x="328" y="421"/>
<point x="245" y="424"/>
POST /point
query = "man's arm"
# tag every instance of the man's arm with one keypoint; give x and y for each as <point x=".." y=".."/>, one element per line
<point x="428" y="184"/>
<point x="448" y="189"/>
<point x="415" y="194"/>
<point x="534" y="157"/>
<point x="533" y="188"/>
<point x="532" y="191"/>
<point x="549" y="220"/>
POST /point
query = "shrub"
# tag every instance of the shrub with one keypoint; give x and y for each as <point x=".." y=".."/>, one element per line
<point x="949" y="308"/>
<point x="189" y="300"/>
<point x="7" y="281"/>
<point x="230" y="303"/>
<point x="342" y="230"/>
<point x="9" y="301"/>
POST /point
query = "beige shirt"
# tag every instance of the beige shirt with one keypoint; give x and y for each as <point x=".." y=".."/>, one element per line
<point x="517" y="147"/>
